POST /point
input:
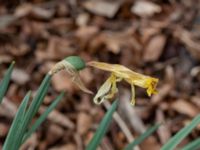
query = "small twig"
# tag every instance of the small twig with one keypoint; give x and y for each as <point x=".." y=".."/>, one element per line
<point x="78" y="140"/>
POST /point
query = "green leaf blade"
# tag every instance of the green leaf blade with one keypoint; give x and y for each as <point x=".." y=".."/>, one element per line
<point x="34" y="106"/>
<point x="5" y="82"/>
<point x="95" y="141"/>
<point x="142" y="137"/>
<point x="177" y="138"/>
<point x="194" y="145"/>
<point x="12" y="137"/>
<point x="41" y="119"/>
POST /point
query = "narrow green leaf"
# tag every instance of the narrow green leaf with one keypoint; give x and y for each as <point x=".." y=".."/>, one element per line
<point x="11" y="139"/>
<point x="95" y="141"/>
<point x="142" y="137"/>
<point x="178" y="137"/>
<point x="41" y="119"/>
<point x="5" y="82"/>
<point x="34" y="106"/>
<point x="194" y="145"/>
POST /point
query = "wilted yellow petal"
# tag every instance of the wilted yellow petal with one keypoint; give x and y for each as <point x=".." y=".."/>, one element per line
<point x="133" y="78"/>
<point x="113" y="89"/>
<point x="107" y="90"/>
<point x="77" y="80"/>
<point x="151" y="84"/>
<point x="103" y="90"/>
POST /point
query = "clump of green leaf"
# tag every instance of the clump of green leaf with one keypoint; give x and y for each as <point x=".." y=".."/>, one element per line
<point x="21" y="128"/>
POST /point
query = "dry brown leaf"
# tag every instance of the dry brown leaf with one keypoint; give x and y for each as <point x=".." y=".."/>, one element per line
<point x="5" y="58"/>
<point x="65" y="147"/>
<point x="16" y="47"/>
<point x="149" y="32"/>
<point x="23" y="10"/>
<point x="6" y="20"/>
<point x="37" y="12"/>
<point x="196" y="100"/>
<point x="61" y="25"/>
<point x="57" y="48"/>
<point x="82" y="19"/>
<point x="3" y="130"/>
<point x="31" y="142"/>
<point x="84" y="122"/>
<point x="163" y="92"/>
<point x="185" y="107"/>
<point x="87" y="75"/>
<point x="103" y="8"/>
<point x="150" y="144"/>
<point x="85" y="34"/>
<point x="58" y="118"/>
<point x="154" y="48"/>
<point x="62" y="82"/>
<point x="188" y="39"/>
<point x="145" y="8"/>
<point x="20" y="76"/>
<point x="115" y="41"/>
<point x="56" y="133"/>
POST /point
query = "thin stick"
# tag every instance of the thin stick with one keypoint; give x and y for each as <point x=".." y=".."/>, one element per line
<point x="121" y="124"/>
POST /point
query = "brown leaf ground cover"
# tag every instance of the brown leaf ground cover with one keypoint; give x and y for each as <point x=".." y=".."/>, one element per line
<point x="156" y="37"/>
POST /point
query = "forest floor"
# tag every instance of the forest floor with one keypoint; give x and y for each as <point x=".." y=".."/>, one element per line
<point x="160" y="38"/>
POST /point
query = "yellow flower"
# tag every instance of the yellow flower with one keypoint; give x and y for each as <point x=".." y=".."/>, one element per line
<point x="118" y="73"/>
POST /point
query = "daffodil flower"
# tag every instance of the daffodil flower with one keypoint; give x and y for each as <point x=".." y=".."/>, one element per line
<point x="72" y="65"/>
<point x="118" y="73"/>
